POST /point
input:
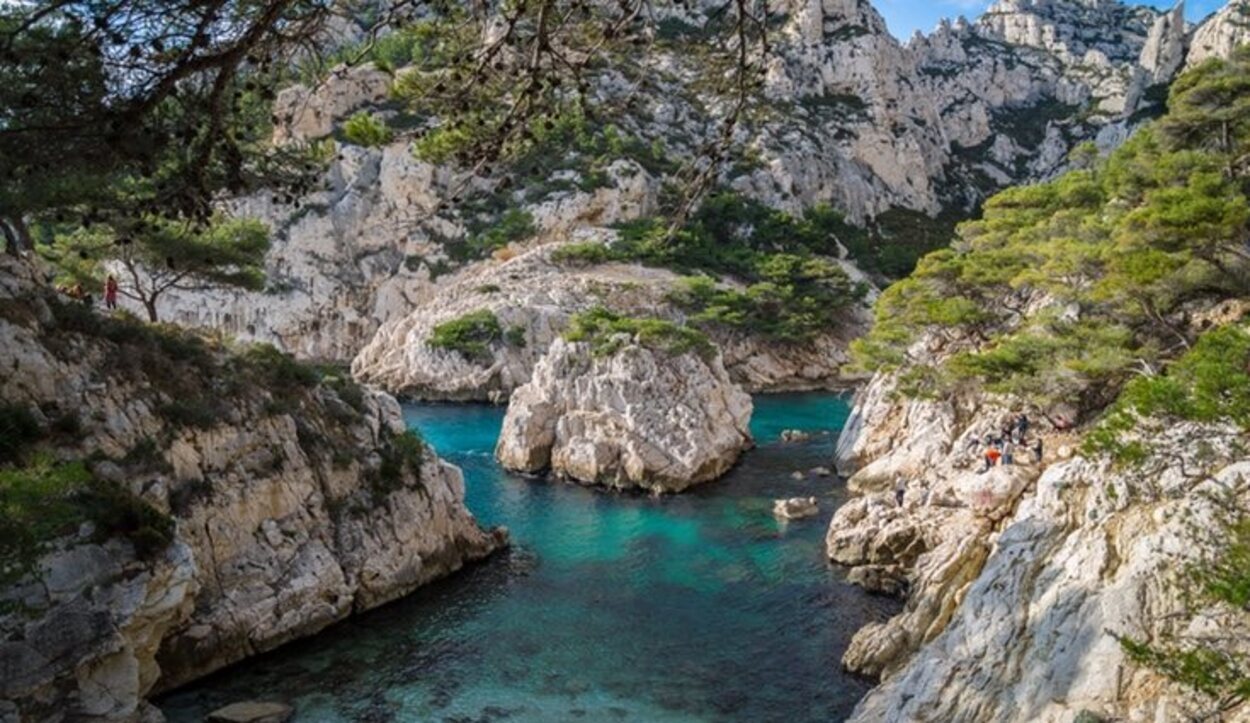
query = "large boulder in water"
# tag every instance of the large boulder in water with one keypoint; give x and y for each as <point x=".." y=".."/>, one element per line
<point x="639" y="417"/>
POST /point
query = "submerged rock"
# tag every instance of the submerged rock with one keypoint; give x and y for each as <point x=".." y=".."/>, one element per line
<point x="636" y="418"/>
<point x="795" y="508"/>
<point x="794" y="435"/>
<point x="252" y="712"/>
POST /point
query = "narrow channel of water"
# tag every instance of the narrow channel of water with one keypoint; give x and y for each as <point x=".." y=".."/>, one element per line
<point x="699" y="607"/>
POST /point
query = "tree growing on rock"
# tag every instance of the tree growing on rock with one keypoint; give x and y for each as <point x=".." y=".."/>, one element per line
<point x="149" y="258"/>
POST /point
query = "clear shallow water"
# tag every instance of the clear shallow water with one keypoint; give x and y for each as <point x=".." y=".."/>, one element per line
<point x="700" y="607"/>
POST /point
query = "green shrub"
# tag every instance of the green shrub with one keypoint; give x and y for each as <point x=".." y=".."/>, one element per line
<point x="192" y="412"/>
<point x="403" y="454"/>
<point x="276" y="370"/>
<point x="584" y="253"/>
<point x="145" y="455"/>
<point x="514" y="225"/>
<point x="365" y="129"/>
<point x="515" y="336"/>
<point x="348" y="390"/>
<point x="470" y="335"/>
<point x="606" y="331"/>
<point x="1210" y="383"/>
<point x="44" y="501"/>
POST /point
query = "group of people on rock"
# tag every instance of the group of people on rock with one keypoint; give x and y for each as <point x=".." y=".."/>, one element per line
<point x="1004" y="446"/>
<point x="78" y="293"/>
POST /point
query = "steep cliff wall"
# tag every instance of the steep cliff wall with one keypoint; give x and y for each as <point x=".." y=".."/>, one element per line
<point x="1019" y="579"/>
<point x="856" y="120"/>
<point x="226" y="503"/>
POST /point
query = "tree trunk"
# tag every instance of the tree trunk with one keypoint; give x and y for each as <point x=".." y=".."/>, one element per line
<point x="150" y="304"/>
<point x="24" y="241"/>
<point x="16" y="235"/>
<point x="10" y="239"/>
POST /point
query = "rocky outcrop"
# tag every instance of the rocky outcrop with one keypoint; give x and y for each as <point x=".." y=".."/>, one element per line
<point x="308" y="113"/>
<point x="293" y="504"/>
<point x="1220" y="34"/>
<point x="533" y="297"/>
<point x="637" y="418"/>
<point x="1031" y="635"/>
<point x="1017" y="580"/>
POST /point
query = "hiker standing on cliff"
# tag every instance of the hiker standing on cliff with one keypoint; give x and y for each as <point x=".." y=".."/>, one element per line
<point x="900" y="490"/>
<point x="110" y="292"/>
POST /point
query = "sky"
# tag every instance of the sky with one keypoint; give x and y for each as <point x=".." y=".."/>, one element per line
<point x="904" y="17"/>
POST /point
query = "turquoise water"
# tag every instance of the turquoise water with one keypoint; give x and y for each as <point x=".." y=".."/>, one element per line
<point x="700" y="607"/>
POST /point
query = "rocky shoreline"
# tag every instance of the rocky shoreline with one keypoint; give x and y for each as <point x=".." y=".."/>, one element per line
<point x="1017" y="580"/>
<point x="247" y="516"/>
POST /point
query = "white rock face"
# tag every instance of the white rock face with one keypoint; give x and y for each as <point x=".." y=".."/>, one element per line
<point x="638" y="418"/>
<point x="535" y="297"/>
<point x="309" y="113"/>
<point x="860" y="121"/>
<point x="1032" y="638"/>
<point x="1221" y="33"/>
<point x="1017" y="579"/>
<point x="285" y="522"/>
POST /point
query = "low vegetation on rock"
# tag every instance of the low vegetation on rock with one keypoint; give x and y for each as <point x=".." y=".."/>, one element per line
<point x="472" y="334"/>
<point x="607" y="332"/>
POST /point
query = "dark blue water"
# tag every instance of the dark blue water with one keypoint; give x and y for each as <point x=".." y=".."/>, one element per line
<point x="699" y="607"/>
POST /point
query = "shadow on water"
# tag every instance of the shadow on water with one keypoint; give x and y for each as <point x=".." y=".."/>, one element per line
<point x="609" y="607"/>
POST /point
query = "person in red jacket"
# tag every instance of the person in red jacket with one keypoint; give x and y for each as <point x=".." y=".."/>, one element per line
<point x="110" y="292"/>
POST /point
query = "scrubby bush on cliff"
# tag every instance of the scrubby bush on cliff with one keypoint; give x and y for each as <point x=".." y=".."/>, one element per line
<point x="796" y="298"/>
<point x="607" y="332"/>
<point x="1209" y="384"/>
<point x="365" y="129"/>
<point x="1210" y="658"/>
<point x="45" y="500"/>
<point x="472" y="334"/>
<point x="1065" y="290"/>
<point x="19" y="429"/>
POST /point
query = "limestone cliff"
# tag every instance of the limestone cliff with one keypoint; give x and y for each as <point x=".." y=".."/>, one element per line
<point x="1018" y="579"/>
<point x="276" y="504"/>
<point x="533" y="296"/>
<point x="632" y="417"/>
<point x="856" y="119"/>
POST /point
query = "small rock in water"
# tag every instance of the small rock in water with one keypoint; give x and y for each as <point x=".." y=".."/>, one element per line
<point x="796" y="475"/>
<point x="252" y="711"/>
<point x="819" y="472"/>
<point x="795" y="507"/>
<point x="794" y="435"/>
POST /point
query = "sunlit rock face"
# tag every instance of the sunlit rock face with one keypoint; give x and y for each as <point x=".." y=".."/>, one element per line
<point x="857" y="120"/>
<point x="1018" y="577"/>
<point x="636" y="418"/>
<point x="533" y="297"/>
<point x="1220" y="34"/>
<point x="288" y="514"/>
